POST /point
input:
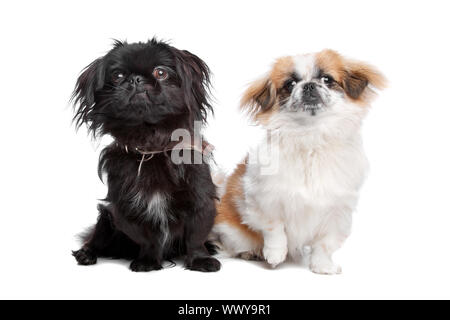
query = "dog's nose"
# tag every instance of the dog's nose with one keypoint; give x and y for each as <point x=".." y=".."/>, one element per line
<point x="310" y="94"/>
<point x="135" y="80"/>
<point x="309" y="87"/>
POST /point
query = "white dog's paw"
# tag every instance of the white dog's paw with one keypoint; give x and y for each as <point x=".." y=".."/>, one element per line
<point x="325" y="267"/>
<point x="275" y="256"/>
<point x="323" y="264"/>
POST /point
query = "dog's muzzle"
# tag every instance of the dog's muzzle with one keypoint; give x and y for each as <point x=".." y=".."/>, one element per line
<point x="310" y="95"/>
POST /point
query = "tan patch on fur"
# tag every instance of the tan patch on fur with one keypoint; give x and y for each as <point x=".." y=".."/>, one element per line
<point x="374" y="76"/>
<point x="348" y="72"/>
<point x="260" y="99"/>
<point x="281" y="70"/>
<point x="227" y="211"/>
<point x="332" y="63"/>
<point x="257" y="91"/>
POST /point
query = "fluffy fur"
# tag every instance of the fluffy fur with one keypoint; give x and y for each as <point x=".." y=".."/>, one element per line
<point x="139" y="94"/>
<point x="312" y="107"/>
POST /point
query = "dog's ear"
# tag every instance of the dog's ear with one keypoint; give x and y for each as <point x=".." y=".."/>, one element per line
<point x="259" y="97"/>
<point x="194" y="74"/>
<point x="357" y="76"/>
<point x="91" y="80"/>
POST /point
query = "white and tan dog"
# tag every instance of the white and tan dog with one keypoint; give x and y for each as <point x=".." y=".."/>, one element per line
<point x="312" y="107"/>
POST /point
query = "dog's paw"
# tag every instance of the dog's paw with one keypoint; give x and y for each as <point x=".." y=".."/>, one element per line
<point x="204" y="264"/>
<point x="325" y="267"/>
<point x="275" y="256"/>
<point x="144" y="266"/>
<point x="85" y="257"/>
<point x="249" y="256"/>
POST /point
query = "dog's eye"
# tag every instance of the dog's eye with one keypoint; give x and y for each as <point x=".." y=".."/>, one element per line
<point x="290" y="84"/>
<point x="118" y="76"/>
<point x="160" y="74"/>
<point x="327" y="79"/>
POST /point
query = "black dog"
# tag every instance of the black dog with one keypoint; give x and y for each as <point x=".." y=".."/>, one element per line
<point x="155" y="209"/>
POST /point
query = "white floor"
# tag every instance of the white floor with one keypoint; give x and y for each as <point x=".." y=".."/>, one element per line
<point x="372" y="269"/>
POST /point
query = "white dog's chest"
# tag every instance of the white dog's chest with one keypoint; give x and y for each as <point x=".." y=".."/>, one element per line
<point x="309" y="187"/>
<point x="316" y="178"/>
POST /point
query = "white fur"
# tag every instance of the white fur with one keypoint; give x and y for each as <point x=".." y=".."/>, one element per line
<point x="231" y="241"/>
<point x="305" y="65"/>
<point x="309" y="199"/>
<point x="156" y="208"/>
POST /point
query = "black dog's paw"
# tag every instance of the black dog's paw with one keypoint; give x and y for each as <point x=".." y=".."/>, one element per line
<point x="204" y="264"/>
<point x="85" y="257"/>
<point x="144" y="266"/>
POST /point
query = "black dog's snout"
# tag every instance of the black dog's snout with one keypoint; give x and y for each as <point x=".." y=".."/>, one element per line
<point x="137" y="83"/>
<point x="136" y="80"/>
<point x="309" y="87"/>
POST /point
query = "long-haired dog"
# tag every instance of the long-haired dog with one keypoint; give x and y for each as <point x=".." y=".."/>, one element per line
<point x="312" y="106"/>
<point x="156" y="209"/>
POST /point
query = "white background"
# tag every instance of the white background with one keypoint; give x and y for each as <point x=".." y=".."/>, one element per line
<point x="400" y="244"/>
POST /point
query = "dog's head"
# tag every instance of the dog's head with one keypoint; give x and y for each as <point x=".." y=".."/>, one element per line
<point x="307" y="88"/>
<point x="142" y="87"/>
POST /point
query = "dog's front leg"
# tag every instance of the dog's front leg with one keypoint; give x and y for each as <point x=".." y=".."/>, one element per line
<point x="275" y="244"/>
<point x="334" y="232"/>
<point x="97" y="239"/>
<point x="196" y="233"/>
<point x="272" y="228"/>
<point x="150" y="257"/>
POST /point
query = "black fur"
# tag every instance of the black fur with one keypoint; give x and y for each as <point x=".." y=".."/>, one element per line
<point x="167" y="210"/>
